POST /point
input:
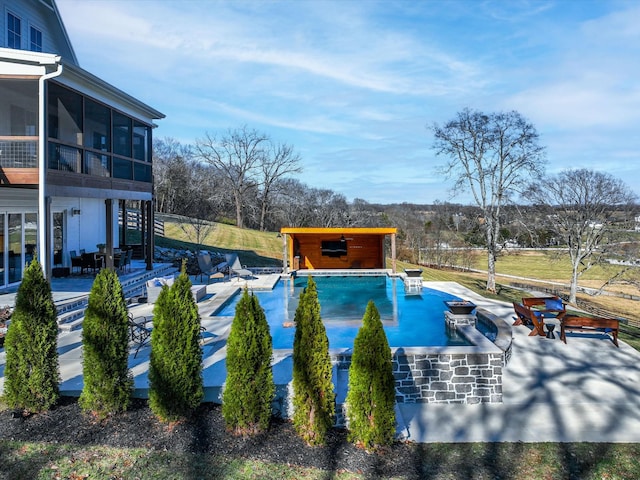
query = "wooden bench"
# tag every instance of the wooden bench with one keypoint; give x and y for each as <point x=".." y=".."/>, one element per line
<point x="526" y="316"/>
<point x="546" y="305"/>
<point x="608" y="326"/>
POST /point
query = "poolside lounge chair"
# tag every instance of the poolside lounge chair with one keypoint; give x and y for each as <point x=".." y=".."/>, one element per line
<point x="208" y="269"/>
<point x="235" y="267"/>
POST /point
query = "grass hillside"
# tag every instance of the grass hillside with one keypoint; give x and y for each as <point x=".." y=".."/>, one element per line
<point x="255" y="249"/>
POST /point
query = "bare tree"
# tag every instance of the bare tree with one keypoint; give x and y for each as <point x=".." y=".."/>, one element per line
<point x="281" y="161"/>
<point x="329" y="209"/>
<point x="198" y="229"/>
<point x="588" y="210"/>
<point x="238" y="155"/>
<point x="491" y="156"/>
<point x="171" y="172"/>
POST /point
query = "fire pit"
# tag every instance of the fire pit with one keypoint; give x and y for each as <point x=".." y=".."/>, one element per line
<point x="460" y="307"/>
<point x="413" y="272"/>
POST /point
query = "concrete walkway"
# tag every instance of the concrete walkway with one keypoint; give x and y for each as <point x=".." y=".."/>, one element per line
<point x="587" y="390"/>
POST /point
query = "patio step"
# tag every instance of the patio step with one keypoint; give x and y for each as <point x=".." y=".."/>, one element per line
<point x="71" y="312"/>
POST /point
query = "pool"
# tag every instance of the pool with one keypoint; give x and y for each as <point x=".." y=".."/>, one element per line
<point x="415" y="320"/>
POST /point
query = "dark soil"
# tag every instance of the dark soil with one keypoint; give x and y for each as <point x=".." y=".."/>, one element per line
<point x="205" y="433"/>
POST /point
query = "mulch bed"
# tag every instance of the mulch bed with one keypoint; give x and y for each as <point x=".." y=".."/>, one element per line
<point x="205" y="433"/>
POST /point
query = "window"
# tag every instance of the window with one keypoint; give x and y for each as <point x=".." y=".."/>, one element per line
<point x="97" y="126"/>
<point x="98" y="165"/>
<point x="121" y="134"/>
<point x="65" y="115"/>
<point x="14" y="39"/>
<point x="20" y="106"/>
<point x="140" y="142"/>
<point x="122" y="168"/>
<point x="35" y="42"/>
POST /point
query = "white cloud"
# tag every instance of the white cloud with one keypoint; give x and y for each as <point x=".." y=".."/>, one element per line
<point x="352" y="85"/>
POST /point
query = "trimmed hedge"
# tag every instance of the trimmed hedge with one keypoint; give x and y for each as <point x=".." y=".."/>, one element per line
<point x="31" y="371"/>
<point x="371" y="396"/>
<point x="313" y="395"/>
<point x="249" y="388"/>
<point x="175" y="369"/>
<point x="108" y="382"/>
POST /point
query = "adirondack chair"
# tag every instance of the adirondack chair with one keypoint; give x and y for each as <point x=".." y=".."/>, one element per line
<point x="526" y="316"/>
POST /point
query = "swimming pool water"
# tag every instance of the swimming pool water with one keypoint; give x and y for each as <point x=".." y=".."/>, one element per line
<point x="409" y="320"/>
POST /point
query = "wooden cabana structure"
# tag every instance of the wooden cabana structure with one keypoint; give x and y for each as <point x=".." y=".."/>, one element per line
<point x="336" y="248"/>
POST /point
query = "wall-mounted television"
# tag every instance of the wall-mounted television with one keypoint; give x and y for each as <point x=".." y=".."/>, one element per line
<point x="334" y="248"/>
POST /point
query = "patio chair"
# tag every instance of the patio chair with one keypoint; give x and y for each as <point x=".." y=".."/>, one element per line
<point x="526" y="316"/>
<point x="235" y="267"/>
<point x="139" y="332"/>
<point x="122" y="258"/>
<point x="76" y="260"/>
<point x="206" y="266"/>
<point x="127" y="254"/>
<point x="90" y="261"/>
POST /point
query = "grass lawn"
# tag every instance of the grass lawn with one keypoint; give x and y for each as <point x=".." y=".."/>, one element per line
<point x="522" y="461"/>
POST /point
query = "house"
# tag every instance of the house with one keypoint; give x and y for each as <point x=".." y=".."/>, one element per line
<point x="75" y="151"/>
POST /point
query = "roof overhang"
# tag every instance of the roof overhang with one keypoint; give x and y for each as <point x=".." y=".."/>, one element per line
<point x="339" y="230"/>
<point x="27" y="63"/>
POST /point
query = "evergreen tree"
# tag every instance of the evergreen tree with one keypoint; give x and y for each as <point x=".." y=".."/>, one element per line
<point x="249" y="388"/>
<point x="31" y="371"/>
<point x="371" y="395"/>
<point x="313" y="396"/>
<point x="175" y="369"/>
<point x="105" y="337"/>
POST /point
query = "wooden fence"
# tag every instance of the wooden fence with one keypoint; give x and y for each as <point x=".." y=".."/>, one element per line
<point x="134" y="222"/>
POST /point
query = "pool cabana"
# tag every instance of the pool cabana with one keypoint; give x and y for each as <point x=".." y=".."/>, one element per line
<point x="336" y="248"/>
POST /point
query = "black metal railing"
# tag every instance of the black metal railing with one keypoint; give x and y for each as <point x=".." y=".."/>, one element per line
<point x="19" y="153"/>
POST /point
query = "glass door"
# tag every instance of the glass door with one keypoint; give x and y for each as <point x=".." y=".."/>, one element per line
<point x="58" y="239"/>
<point x="15" y="247"/>
<point x="3" y="267"/>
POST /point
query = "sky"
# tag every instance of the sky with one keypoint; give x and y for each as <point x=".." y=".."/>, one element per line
<point x="355" y="86"/>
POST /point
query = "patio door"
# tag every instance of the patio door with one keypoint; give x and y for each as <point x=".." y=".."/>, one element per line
<point x="15" y="249"/>
<point x="18" y="240"/>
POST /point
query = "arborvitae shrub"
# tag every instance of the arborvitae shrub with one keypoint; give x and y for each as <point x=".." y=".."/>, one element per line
<point x="31" y="371"/>
<point x="175" y="369"/>
<point x="249" y="388"/>
<point x="105" y="338"/>
<point x="313" y="396"/>
<point x="371" y="396"/>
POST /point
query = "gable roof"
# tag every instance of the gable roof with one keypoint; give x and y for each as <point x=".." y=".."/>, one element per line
<point x="70" y="56"/>
<point x="44" y="16"/>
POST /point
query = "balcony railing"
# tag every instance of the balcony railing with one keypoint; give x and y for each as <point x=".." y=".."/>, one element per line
<point x="18" y="152"/>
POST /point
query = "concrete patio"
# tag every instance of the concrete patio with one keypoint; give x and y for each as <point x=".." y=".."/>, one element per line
<point x="587" y="390"/>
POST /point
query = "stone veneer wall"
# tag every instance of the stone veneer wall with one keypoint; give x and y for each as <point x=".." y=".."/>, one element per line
<point x="443" y="377"/>
<point x="456" y="374"/>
